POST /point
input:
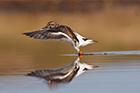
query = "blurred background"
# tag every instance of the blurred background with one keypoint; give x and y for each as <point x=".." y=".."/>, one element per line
<point x="114" y="23"/>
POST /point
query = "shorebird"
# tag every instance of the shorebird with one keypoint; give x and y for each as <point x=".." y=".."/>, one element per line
<point x="54" y="30"/>
<point x="63" y="74"/>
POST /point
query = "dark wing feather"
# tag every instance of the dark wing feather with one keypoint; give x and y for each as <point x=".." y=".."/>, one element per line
<point x="44" y="35"/>
<point x="54" y="71"/>
<point x="53" y="33"/>
<point x="68" y="31"/>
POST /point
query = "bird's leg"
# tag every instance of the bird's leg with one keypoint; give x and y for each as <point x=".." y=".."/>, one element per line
<point x="80" y="54"/>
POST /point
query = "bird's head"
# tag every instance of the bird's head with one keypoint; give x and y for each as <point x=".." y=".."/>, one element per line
<point x="83" y="67"/>
<point x="86" y="41"/>
<point x="83" y="41"/>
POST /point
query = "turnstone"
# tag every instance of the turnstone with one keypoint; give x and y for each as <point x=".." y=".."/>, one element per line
<point x="54" y="30"/>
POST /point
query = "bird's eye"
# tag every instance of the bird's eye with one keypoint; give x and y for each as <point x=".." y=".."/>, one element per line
<point x="85" y="69"/>
<point x="85" y="39"/>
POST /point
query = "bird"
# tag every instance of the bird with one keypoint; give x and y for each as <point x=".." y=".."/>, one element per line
<point x="64" y="74"/>
<point x="56" y="31"/>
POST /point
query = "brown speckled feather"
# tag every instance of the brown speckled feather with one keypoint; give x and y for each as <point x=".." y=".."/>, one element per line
<point x="53" y="33"/>
<point x="44" y="35"/>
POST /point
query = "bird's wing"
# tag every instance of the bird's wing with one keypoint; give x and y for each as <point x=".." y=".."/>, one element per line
<point x="48" y="34"/>
<point x="60" y="32"/>
<point x="69" y="32"/>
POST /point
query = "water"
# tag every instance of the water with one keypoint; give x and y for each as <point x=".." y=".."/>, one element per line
<point x="116" y="72"/>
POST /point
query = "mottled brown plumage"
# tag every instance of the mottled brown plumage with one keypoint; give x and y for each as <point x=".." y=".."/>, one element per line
<point x="60" y="32"/>
<point x="51" y="31"/>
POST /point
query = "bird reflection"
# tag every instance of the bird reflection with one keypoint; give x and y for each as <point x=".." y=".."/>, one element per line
<point x="62" y="75"/>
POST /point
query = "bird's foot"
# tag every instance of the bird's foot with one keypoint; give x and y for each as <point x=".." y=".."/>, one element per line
<point x="80" y="54"/>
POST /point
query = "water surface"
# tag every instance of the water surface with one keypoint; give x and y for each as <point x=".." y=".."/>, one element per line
<point x="115" y="31"/>
<point x="114" y="74"/>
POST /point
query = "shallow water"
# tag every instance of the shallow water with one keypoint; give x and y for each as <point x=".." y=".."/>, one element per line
<point x="116" y="73"/>
<point x="20" y="54"/>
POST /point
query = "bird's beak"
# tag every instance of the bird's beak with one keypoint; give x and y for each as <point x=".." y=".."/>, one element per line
<point x="93" y="66"/>
<point x="91" y="41"/>
<point x="94" y="41"/>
